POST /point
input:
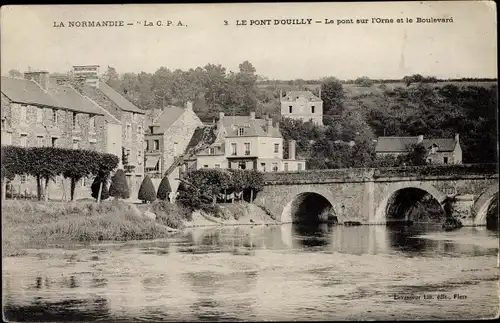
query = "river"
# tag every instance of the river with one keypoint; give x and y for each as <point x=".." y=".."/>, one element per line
<point x="287" y="272"/>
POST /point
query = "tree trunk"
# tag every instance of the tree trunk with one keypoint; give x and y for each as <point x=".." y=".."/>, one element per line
<point x="214" y="199"/>
<point x="39" y="188"/>
<point x="72" y="189"/>
<point x="251" y="195"/>
<point x="225" y="195"/>
<point x="100" y="191"/>
<point x="46" y="189"/>
<point x="4" y="189"/>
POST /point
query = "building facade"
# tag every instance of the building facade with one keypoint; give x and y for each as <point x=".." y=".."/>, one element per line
<point x="302" y="105"/>
<point x="439" y="150"/>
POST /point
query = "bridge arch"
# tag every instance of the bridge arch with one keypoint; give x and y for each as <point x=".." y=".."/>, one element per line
<point x="394" y="189"/>
<point x="482" y="204"/>
<point x="311" y="206"/>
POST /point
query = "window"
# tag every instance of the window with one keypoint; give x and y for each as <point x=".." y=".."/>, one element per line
<point x="23" y="112"/>
<point x="76" y="143"/>
<point x="147" y="145"/>
<point x="39" y="115"/>
<point x="211" y="151"/>
<point x="263" y="166"/>
<point x="128" y="133"/>
<point x="286" y="167"/>
<point x="39" y="141"/>
<point x="54" y="116"/>
<point x="205" y="166"/>
<point x="242" y="165"/>
<point x="290" y="108"/>
<point x="312" y="108"/>
<point x="24" y="140"/>
<point x="275" y="167"/>
<point x="247" y="148"/>
<point x="139" y="130"/>
<point x="139" y="157"/>
<point x="23" y="179"/>
<point x="4" y="123"/>
<point x="75" y="123"/>
<point x="54" y="142"/>
<point x="233" y="149"/>
<point x="92" y="123"/>
<point x="276" y="148"/>
<point x="445" y="160"/>
<point x="299" y="166"/>
<point x="93" y="145"/>
<point x="217" y="165"/>
<point x="175" y="149"/>
<point x="241" y="131"/>
<point x="156" y="144"/>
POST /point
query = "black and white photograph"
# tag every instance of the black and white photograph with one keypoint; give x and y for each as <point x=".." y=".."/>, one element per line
<point x="285" y="161"/>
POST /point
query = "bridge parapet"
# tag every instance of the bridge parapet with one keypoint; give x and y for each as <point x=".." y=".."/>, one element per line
<point x="371" y="174"/>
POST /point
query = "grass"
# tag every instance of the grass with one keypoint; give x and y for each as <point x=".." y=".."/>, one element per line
<point x="29" y="224"/>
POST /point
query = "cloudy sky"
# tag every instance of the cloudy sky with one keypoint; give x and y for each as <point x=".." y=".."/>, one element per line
<point x="464" y="48"/>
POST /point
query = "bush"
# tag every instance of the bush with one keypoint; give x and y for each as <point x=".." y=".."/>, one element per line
<point x="100" y="178"/>
<point x="171" y="215"/>
<point x="164" y="189"/>
<point x="147" y="190"/>
<point x="119" y="187"/>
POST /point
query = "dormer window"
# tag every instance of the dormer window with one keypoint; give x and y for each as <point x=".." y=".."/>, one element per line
<point x="241" y="131"/>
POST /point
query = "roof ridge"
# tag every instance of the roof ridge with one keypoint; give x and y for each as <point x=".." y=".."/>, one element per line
<point x="95" y="103"/>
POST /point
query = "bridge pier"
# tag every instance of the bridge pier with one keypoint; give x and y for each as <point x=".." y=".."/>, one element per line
<point x="460" y="207"/>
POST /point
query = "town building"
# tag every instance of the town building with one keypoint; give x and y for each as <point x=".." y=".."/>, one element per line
<point x="166" y="140"/>
<point x="131" y="118"/>
<point x="37" y="111"/>
<point x="240" y="142"/>
<point x="302" y="105"/>
<point x="439" y="151"/>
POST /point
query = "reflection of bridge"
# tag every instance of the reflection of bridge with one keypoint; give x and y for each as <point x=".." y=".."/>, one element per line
<point x="365" y="194"/>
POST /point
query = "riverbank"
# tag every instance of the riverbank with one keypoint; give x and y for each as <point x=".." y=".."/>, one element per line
<point x="34" y="224"/>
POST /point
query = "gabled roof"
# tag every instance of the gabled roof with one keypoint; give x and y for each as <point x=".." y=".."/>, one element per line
<point x="443" y="144"/>
<point x="400" y="144"/>
<point x="27" y="92"/>
<point x="308" y="95"/>
<point x="394" y="144"/>
<point x="70" y="98"/>
<point x="118" y="99"/>
<point x="167" y="118"/>
<point x="252" y="127"/>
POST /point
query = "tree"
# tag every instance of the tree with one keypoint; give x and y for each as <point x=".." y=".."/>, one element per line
<point x="101" y="178"/>
<point x="416" y="155"/>
<point x="164" y="189"/>
<point x="332" y="94"/>
<point x="112" y="78"/>
<point x="147" y="190"/>
<point x="364" y="81"/>
<point x="119" y="188"/>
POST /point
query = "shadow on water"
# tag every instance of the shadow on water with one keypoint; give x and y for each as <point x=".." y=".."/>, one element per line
<point x="314" y="234"/>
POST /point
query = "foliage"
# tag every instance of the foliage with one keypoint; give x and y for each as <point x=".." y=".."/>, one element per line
<point x="332" y="94"/>
<point x="164" y="189"/>
<point x="147" y="190"/>
<point x="364" y="81"/>
<point x="119" y="188"/>
<point x="416" y="155"/>
<point x="101" y="177"/>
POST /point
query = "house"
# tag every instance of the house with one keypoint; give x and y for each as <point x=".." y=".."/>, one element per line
<point x="167" y="138"/>
<point x="302" y="105"/>
<point x="240" y="142"/>
<point x="36" y="111"/>
<point x="439" y="151"/>
<point x="131" y="118"/>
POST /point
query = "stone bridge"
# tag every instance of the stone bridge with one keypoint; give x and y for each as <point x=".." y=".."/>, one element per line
<point x="367" y="194"/>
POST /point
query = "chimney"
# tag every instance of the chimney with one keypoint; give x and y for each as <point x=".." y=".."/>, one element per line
<point x="319" y="94"/>
<point x="269" y="126"/>
<point x="291" y="149"/>
<point x="252" y="115"/>
<point x="88" y="73"/>
<point x="457" y="138"/>
<point x="41" y="77"/>
<point x="189" y="105"/>
<point x="420" y="138"/>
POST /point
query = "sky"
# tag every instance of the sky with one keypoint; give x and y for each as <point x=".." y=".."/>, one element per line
<point x="464" y="48"/>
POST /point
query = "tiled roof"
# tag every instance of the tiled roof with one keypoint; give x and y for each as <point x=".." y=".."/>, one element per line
<point x="73" y="100"/>
<point x="252" y="128"/>
<point x="167" y="118"/>
<point x="308" y="95"/>
<point x="443" y="144"/>
<point x="27" y="92"/>
<point x="118" y="99"/>
<point x="400" y="144"/>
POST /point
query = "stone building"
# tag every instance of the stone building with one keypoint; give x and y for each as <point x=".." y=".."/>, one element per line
<point x="302" y="105"/>
<point x="439" y="150"/>
<point x="166" y="140"/>
<point x="36" y="111"/>
<point x="240" y="142"/>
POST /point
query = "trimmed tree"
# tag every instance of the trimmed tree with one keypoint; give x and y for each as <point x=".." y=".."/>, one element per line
<point x="101" y="177"/>
<point x="119" y="188"/>
<point x="147" y="190"/>
<point x="164" y="189"/>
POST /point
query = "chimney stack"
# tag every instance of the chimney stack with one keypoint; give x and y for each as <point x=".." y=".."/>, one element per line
<point x="87" y="73"/>
<point x="457" y="138"/>
<point x="41" y="77"/>
<point x="252" y="115"/>
<point x="420" y="139"/>
<point x="189" y="105"/>
<point x="269" y="126"/>
<point x="291" y="149"/>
